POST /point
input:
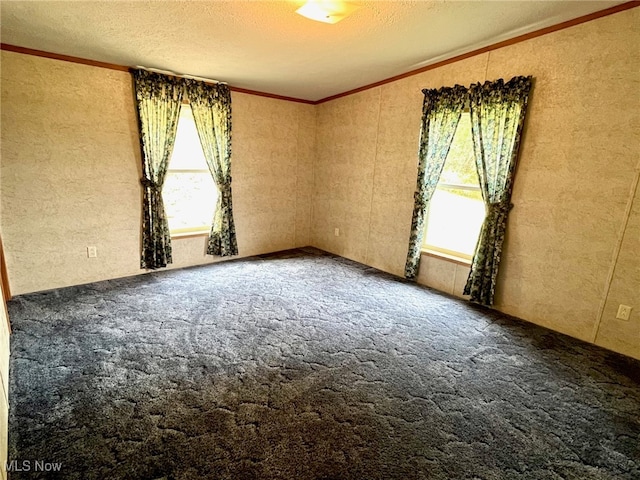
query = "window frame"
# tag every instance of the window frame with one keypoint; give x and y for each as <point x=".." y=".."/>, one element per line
<point x="198" y="229"/>
<point x="440" y="251"/>
<point x="466" y="258"/>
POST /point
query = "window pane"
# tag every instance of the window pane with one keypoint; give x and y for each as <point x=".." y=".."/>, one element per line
<point x="187" y="151"/>
<point x="455" y="218"/>
<point x="189" y="197"/>
<point x="456" y="214"/>
<point x="460" y="167"/>
<point x="189" y="200"/>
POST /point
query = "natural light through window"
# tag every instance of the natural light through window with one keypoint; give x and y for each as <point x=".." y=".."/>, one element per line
<point x="456" y="210"/>
<point x="189" y="192"/>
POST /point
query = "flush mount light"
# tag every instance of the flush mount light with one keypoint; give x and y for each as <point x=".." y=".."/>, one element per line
<point x="326" y="11"/>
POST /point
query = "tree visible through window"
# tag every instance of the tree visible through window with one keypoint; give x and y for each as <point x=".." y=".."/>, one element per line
<point x="189" y="192"/>
<point x="456" y="210"/>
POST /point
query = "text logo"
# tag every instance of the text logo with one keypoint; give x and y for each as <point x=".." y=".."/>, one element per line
<point x="33" y="466"/>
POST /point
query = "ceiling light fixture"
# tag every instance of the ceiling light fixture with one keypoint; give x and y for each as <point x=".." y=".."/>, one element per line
<point x="326" y="11"/>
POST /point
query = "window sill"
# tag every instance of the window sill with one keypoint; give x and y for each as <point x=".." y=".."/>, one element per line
<point x="188" y="235"/>
<point x="446" y="257"/>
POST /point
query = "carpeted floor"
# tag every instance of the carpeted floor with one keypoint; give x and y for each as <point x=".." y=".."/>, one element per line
<point x="303" y="366"/>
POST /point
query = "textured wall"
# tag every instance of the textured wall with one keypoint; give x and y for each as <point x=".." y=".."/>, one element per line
<point x="578" y="163"/>
<point x="70" y="170"/>
<point x="343" y="173"/>
<point x="624" y="335"/>
<point x="273" y="155"/>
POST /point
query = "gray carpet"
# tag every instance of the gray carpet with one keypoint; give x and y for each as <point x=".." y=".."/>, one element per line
<point x="304" y="366"/>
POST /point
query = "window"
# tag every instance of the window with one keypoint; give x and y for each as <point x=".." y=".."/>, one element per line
<point x="456" y="210"/>
<point x="189" y="192"/>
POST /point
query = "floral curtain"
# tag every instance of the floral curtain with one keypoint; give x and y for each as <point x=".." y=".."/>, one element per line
<point x="158" y="99"/>
<point x="211" y="106"/>
<point x="441" y="111"/>
<point x="497" y="115"/>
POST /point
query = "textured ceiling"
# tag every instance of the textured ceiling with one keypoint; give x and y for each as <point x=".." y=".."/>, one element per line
<point x="266" y="46"/>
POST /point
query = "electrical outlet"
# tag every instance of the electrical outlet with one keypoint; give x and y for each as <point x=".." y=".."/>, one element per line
<point x="92" y="252"/>
<point x="624" y="312"/>
<point x="336" y="232"/>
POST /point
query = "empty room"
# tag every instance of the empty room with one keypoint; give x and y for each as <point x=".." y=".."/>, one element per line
<point x="320" y="240"/>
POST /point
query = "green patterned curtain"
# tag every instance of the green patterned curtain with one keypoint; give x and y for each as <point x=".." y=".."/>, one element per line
<point x="497" y="116"/>
<point x="158" y="99"/>
<point x="441" y="111"/>
<point x="211" y="106"/>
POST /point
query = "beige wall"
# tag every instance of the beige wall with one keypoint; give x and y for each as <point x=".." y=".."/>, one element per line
<point x="623" y="336"/>
<point x="574" y="187"/>
<point x="70" y="170"/>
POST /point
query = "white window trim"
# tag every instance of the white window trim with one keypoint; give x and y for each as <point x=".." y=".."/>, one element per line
<point x="188" y="170"/>
<point x="454" y="258"/>
<point x="458" y="186"/>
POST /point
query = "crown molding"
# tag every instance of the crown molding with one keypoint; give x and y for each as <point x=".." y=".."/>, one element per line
<point x="521" y="38"/>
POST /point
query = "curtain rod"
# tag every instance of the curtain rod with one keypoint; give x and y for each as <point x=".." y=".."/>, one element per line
<point x="179" y="75"/>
